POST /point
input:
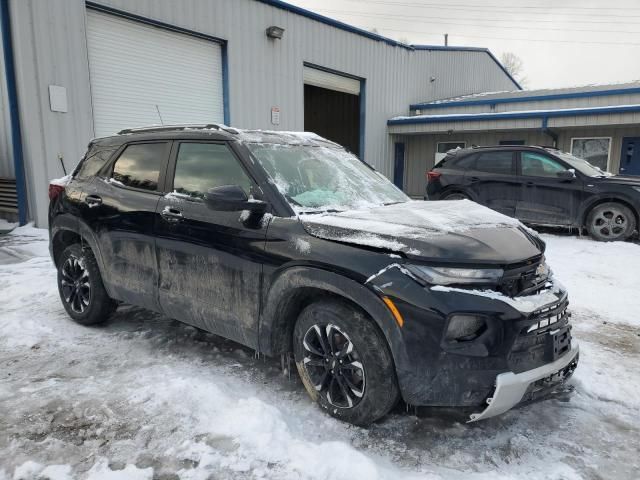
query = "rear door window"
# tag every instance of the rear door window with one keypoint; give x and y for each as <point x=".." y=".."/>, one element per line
<point x="140" y="165"/>
<point x="496" y="162"/>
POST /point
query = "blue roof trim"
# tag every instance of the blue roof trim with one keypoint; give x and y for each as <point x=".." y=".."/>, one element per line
<point x="571" y="112"/>
<point x="334" y="23"/>
<point x="529" y="98"/>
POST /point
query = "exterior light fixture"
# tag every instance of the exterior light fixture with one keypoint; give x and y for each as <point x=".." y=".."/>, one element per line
<point x="275" y="32"/>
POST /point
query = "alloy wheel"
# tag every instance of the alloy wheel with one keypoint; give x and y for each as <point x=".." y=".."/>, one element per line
<point x="76" y="288"/>
<point x="610" y="222"/>
<point x="333" y="365"/>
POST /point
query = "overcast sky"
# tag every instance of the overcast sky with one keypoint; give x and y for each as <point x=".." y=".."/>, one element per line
<point x="561" y="42"/>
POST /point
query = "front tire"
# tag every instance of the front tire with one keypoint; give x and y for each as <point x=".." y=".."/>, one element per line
<point x="611" y="221"/>
<point x="80" y="286"/>
<point x="344" y="362"/>
<point x="455" y="196"/>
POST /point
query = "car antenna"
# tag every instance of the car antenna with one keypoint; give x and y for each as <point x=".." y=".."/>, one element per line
<point x="159" y="115"/>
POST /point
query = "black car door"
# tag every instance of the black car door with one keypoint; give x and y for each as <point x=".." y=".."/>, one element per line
<point x="547" y="198"/>
<point x="493" y="181"/>
<point x="122" y="203"/>
<point x="210" y="261"/>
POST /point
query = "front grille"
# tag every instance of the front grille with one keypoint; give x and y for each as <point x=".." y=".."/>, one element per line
<point x="548" y="317"/>
<point x="542" y="338"/>
<point x="523" y="278"/>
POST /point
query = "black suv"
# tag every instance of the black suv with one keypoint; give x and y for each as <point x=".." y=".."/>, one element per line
<point x="540" y="186"/>
<point x="290" y="245"/>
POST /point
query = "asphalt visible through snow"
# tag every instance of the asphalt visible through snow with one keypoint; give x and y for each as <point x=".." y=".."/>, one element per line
<point x="148" y="397"/>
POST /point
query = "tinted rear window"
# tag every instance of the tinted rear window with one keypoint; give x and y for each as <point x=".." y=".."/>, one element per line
<point x="495" y="162"/>
<point x="139" y="165"/>
<point x="93" y="161"/>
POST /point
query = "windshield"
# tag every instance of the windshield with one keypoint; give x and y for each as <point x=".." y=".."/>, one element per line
<point x="582" y="165"/>
<point x="316" y="178"/>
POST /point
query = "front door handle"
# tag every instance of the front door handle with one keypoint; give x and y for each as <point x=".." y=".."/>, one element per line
<point x="171" y="214"/>
<point x="93" y="200"/>
<point x="530" y="184"/>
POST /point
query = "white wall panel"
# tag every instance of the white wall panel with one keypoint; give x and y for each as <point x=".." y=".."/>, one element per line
<point x="142" y="75"/>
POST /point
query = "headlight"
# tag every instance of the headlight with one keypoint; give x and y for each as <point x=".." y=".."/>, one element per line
<point x="455" y="276"/>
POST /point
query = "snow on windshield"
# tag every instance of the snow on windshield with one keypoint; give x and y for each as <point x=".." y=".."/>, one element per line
<point x="317" y="178"/>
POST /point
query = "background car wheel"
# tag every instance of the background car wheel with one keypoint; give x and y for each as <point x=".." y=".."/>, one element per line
<point x="611" y="221"/>
<point x="455" y="196"/>
<point x="344" y="362"/>
<point x="80" y="286"/>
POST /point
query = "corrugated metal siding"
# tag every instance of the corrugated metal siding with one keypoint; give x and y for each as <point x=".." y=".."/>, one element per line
<point x="6" y="154"/>
<point x="51" y="49"/>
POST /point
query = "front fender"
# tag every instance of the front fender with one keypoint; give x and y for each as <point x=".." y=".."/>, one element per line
<point x="288" y="281"/>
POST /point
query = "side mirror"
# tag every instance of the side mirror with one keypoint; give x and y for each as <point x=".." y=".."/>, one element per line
<point x="569" y="174"/>
<point x="231" y="198"/>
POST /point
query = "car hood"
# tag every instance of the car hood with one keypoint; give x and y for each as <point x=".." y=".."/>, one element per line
<point x="622" y="180"/>
<point x="450" y="231"/>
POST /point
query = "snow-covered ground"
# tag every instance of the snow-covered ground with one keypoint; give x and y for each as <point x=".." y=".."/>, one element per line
<point x="146" y="397"/>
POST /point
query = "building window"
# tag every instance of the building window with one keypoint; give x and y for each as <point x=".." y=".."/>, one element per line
<point x="443" y="147"/>
<point x="595" y="150"/>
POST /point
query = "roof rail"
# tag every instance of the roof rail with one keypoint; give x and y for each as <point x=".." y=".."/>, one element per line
<point x="168" y="128"/>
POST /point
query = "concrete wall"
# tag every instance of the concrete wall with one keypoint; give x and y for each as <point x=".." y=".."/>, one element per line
<point x="50" y="48"/>
<point x="420" y="149"/>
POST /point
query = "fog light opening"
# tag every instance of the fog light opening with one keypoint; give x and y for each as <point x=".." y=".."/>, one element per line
<point x="465" y="328"/>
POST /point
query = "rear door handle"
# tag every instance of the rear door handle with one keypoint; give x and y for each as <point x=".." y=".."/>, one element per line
<point x="530" y="184"/>
<point x="171" y="214"/>
<point x="475" y="179"/>
<point x="93" y="200"/>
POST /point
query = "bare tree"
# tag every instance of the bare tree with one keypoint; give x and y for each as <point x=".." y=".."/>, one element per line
<point x="513" y="64"/>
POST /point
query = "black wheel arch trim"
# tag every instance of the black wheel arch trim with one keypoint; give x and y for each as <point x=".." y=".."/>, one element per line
<point x="68" y="222"/>
<point x="293" y="278"/>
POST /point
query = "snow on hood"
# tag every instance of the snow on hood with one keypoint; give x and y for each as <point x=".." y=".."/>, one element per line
<point x="447" y="230"/>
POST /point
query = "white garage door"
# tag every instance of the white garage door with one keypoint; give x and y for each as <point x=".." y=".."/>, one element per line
<point x="142" y="75"/>
<point x="331" y="81"/>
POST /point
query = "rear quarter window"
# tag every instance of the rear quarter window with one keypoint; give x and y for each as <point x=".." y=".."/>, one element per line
<point x="93" y="161"/>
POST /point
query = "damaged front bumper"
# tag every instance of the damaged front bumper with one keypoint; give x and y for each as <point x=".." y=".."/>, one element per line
<point x="511" y="387"/>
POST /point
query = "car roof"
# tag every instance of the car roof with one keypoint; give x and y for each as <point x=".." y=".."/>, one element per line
<point x="214" y="132"/>
<point x="462" y="152"/>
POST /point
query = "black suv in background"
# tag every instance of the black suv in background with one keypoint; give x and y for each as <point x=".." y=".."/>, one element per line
<point x="540" y="186"/>
<point x="290" y="245"/>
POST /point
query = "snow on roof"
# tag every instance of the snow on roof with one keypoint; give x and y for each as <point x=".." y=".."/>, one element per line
<point x="510" y="114"/>
<point x="530" y="93"/>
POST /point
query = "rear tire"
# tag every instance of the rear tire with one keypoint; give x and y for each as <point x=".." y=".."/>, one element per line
<point x="611" y="221"/>
<point x="80" y="286"/>
<point x="345" y="362"/>
<point x="455" y="196"/>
